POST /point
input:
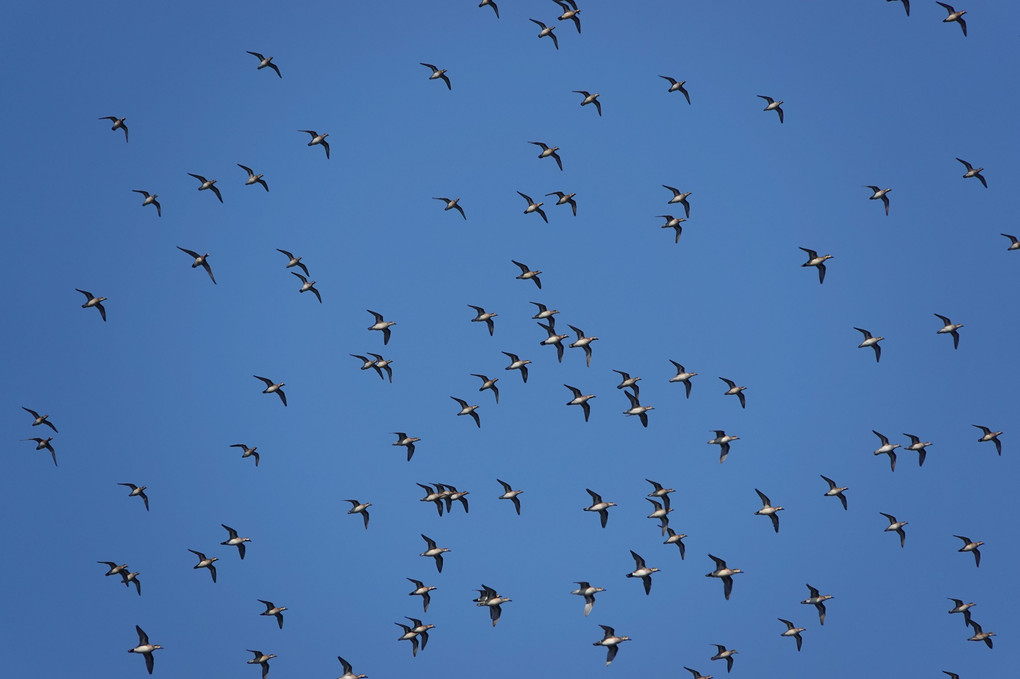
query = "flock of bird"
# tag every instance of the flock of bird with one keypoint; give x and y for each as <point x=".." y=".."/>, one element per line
<point x="445" y="496"/>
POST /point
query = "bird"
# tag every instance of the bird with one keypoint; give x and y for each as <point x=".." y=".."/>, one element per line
<point x="307" y="285"/>
<point x="835" y="490"/>
<point x="971" y="546"/>
<point x="234" y="541"/>
<point x="266" y="62"/>
<point x="734" y="390"/>
<point x="585" y="589"/>
<point x="906" y="5"/>
<point x="527" y="273"/>
<point x="493" y="601"/>
<point x="465" y="409"/>
<point x="628" y="381"/>
<point x="960" y="607"/>
<point x="546" y="31"/>
<point x="990" y="435"/>
<point x="675" y="223"/>
<point x="724" y="573"/>
<point x="200" y="260"/>
<point x="816" y="261"/>
<point x="128" y="578"/>
<point x="422" y="590"/>
<point x="39" y="419"/>
<point x="570" y="12"/>
<point x="897" y="526"/>
<point x="548" y="151"/>
<point x="682" y="376"/>
<point x="917" y="444"/>
<point x="679" y="197"/>
<point x="318" y="139"/>
<point x="433" y="495"/>
<point x="971" y="172"/>
<point x="880" y="194"/>
<point x="510" y="494"/>
<point x="349" y="670"/>
<point x="118" y="123"/>
<point x="517" y="364"/>
<point x="204" y="562"/>
<point x="406" y="441"/>
<point x="611" y="642"/>
<point x="358" y="507"/>
<point x="886" y="449"/>
<point x="697" y="674"/>
<point x="452" y="204"/>
<point x="114" y="568"/>
<point x="675" y="86"/>
<point x="145" y="648"/>
<point x="439" y="73"/>
<point x="421" y="629"/>
<point x="637" y="409"/>
<point x="483" y="317"/>
<point x="248" y="452"/>
<point x="491" y="4"/>
<point x="150" y="200"/>
<point x="293" y="261"/>
<point x="1014" y="242"/>
<point x="273" y="609"/>
<point x="254" y="178"/>
<point x="599" y="505"/>
<point x="533" y="207"/>
<point x="207" y="184"/>
<point x="676" y="539"/>
<point x="590" y="98"/>
<point x="381" y="325"/>
<point x="138" y="491"/>
<point x="553" y="338"/>
<point x="870" y="341"/>
<point x="564" y="198"/>
<point x="950" y="328"/>
<point x="451" y="495"/>
<point x="272" y="387"/>
<point x="45" y="443"/>
<point x="792" y="631"/>
<point x="488" y="384"/>
<point x="583" y="342"/>
<point x="768" y="510"/>
<point x="661" y="513"/>
<point x="980" y="634"/>
<point x="819" y="602"/>
<point x="724" y="654"/>
<point x="434" y="552"/>
<point x="642" y="571"/>
<point x="93" y="301"/>
<point x="580" y="400"/>
<point x="261" y="659"/>
<point x="958" y="18"/>
<point x="409" y="635"/>
<point x="722" y="439"/>
<point x="772" y="105"/>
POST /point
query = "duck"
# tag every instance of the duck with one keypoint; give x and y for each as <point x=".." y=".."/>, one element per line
<point x="972" y="172"/>
<point x="950" y="328"/>
<point x="870" y="341"/>
<point x="1014" y="242"/>
<point x="772" y="105"/>
<point x="381" y="325"/>
<point x="819" y="602"/>
<point x="583" y="341"/>
<point x="897" y="526"/>
<point x="408" y="635"/>
<point x="682" y="376"/>
<point x="590" y="98"/>
<point x="611" y="642"/>
<point x="438" y="73"/>
<point x="150" y="200"/>
<point x="491" y="4"/>
<point x="406" y="441"/>
<point x="493" y="601"/>
<point x="114" y="569"/>
<point x="349" y="670"/>
<point x="960" y="607"/>
<point x="734" y="390"/>
<point x="510" y="494"/>
<point x="658" y="491"/>
<point x="722" y="439"/>
<point x="792" y="631"/>
<point x="724" y="654"/>
<point x="546" y="31"/>
<point x="661" y="513"/>
<point x="768" y="510"/>
<point x="676" y="539"/>
<point x="453" y="204"/>
<point x="368" y="363"/>
<point x="205" y="562"/>
<point x="41" y="444"/>
<point x="585" y="589"/>
<point x="294" y="261"/>
<point x="274" y="610"/>
<point x="637" y="409"/>
<point x="145" y="648"/>
<point x="980" y="634"/>
<point x="988" y="435"/>
<point x="488" y="383"/>
<point x="835" y="490"/>
<point x="273" y="387"/>
<point x="918" y="445"/>
<point x="93" y="301"/>
<point x="555" y="339"/>
<point x="421" y="629"/>
<point x="319" y="139"/>
<point x="254" y="178"/>
<point x="358" y="507"/>
<point x="886" y="449"/>
<point x="880" y="194"/>
<point x="906" y="5"/>
<point x="675" y="86"/>
<point x="532" y="207"/>
<point x="207" y="184"/>
<point x="527" y="273"/>
<point x="248" y="452"/>
<point x="261" y="659"/>
<point x="549" y="151"/>
<point x="234" y="541"/>
<point x="724" y="573"/>
<point x="118" y="123"/>
<point x="40" y="419"/>
<point x="266" y="62"/>
<point x="674" y="223"/>
<point x="599" y="505"/>
<point x="200" y="260"/>
<point x="451" y="495"/>
<point x="381" y="364"/>
<point x="433" y="495"/>
<point x="817" y="262"/>
<point x="434" y="552"/>
<point x="422" y="590"/>
<point x="484" y="316"/>
<point x="127" y="578"/>
<point x="680" y="197"/>
<point x="971" y="546"/>
<point x="566" y="198"/>
<point x="137" y="491"/>
<point x="570" y="13"/>
<point x="517" y="364"/>
<point x="958" y="18"/>
<point x="545" y="312"/>
<point x="465" y="409"/>
<point x="580" y="400"/>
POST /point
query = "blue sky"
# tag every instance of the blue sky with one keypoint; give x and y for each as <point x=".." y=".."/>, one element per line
<point x="156" y="395"/>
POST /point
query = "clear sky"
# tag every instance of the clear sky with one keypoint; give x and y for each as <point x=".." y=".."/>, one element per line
<point x="156" y="395"/>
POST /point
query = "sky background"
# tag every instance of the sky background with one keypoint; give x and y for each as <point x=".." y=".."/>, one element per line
<point x="156" y="395"/>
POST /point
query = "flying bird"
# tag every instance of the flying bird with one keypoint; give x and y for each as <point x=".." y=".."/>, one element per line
<point x="590" y="98"/>
<point x="879" y="194"/>
<point x="896" y="526"/>
<point x="792" y="631"/>
<point x="439" y="73"/>
<point x="950" y="328"/>
<point x="137" y="491"/>
<point x="253" y="178"/>
<point x="870" y="341"/>
<point x="546" y="31"/>
<point x="233" y="540"/>
<point x="150" y="200"/>
<point x="483" y="317"/>
<point x="570" y="12"/>
<point x="816" y="261"/>
<point x="200" y="260"/>
<point x="93" y="301"/>
<point x="680" y="197"/>
<point x="533" y="207"/>
<point x="274" y="610"/>
<point x="772" y="105"/>
<point x="39" y="419"/>
<point x="675" y="86"/>
<point x="990" y="435"/>
<point x="958" y="18"/>
<point x="564" y="198"/>
<point x="272" y="387"/>
<point x="452" y="204"/>
<point x="580" y="400"/>
<point x="318" y="139"/>
<point x="307" y="285"/>
<point x="294" y="261"/>
<point x="465" y="409"/>
<point x="611" y="642"/>
<point x="118" y="123"/>
<point x="207" y="184"/>
<point x="381" y="325"/>
<point x="548" y="151"/>
<point x="819" y="602"/>
<point x="145" y="648"/>
<point x="527" y="273"/>
<point x="44" y="444"/>
<point x="971" y="172"/>
<point x="265" y="62"/>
